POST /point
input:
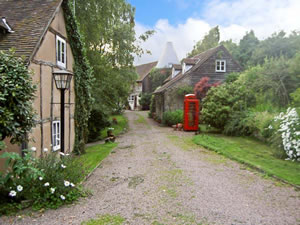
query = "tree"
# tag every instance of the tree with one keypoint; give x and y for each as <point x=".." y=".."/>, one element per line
<point x="210" y="40"/>
<point x="111" y="44"/>
<point x="16" y="97"/>
<point x="157" y="77"/>
<point x="202" y="87"/>
<point x="276" y="46"/>
<point x="247" y="46"/>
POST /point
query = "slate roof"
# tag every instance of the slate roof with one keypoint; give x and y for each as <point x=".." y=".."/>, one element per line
<point x="144" y="69"/>
<point x="202" y="56"/>
<point x="29" y="19"/>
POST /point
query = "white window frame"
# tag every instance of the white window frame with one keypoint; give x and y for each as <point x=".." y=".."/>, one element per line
<point x="131" y="98"/>
<point x="60" y="57"/>
<point x="56" y="135"/>
<point x="222" y="68"/>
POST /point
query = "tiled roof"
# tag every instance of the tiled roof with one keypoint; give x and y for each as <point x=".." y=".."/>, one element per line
<point x="177" y="66"/>
<point x="29" y="20"/>
<point x="202" y="56"/>
<point x="144" y="69"/>
<point x="190" y="61"/>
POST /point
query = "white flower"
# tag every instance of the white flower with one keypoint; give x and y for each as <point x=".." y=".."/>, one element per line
<point x="52" y="190"/>
<point x="45" y="149"/>
<point x="63" y="166"/>
<point x="61" y="153"/>
<point x="72" y="185"/>
<point x="19" y="188"/>
<point x="40" y="178"/>
<point x="67" y="154"/>
<point x="12" y="193"/>
<point x="33" y="149"/>
<point x="67" y="183"/>
<point x="62" y="197"/>
<point x="46" y="184"/>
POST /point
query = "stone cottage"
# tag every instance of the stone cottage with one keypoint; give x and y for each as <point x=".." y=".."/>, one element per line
<point x="37" y="31"/>
<point x="214" y="63"/>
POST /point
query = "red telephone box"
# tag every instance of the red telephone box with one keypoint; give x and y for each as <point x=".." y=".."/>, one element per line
<point x="191" y="112"/>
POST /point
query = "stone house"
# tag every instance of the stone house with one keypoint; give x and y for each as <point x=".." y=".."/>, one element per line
<point x="37" y="31"/>
<point x="214" y="63"/>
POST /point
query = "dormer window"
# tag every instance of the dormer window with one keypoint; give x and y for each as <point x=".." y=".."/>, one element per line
<point x="61" y="53"/>
<point x="220" y="65"/>
<point x="186" y="67"/>
<point x="175" y="72"/>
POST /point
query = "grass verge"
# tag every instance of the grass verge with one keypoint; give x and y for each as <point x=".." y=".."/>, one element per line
<point x="119" y="128"/>
<point x="94" y="155"/>
<point x="106" y="220"/>
<point x="252" y="153"/>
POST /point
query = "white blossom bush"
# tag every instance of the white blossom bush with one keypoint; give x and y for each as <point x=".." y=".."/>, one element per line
<point x="289" y="129"/>
<point x="47" y="182"/>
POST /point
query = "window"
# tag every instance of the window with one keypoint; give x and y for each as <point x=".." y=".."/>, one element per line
<point x="131" y="98"/>
<point x="61" y="52"/>
<point x="56" y="135"/>
<point x="186" y="67"/>
<point x="220" y="65"/>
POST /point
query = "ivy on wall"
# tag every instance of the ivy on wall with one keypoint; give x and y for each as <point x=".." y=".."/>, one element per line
<point x="83" y="79"/>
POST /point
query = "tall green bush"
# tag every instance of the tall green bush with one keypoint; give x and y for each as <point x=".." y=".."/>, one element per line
<point x="223" y="101"/>
<point x="97" y="122"/>
<point x="241" y="123"/>
<point x="172" y="117"/>
<point x="16" y="97"/>
<point x="145" y="101"/>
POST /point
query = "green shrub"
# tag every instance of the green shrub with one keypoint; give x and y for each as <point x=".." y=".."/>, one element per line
<point x="172" y="117"/>
<point x="16" y="97"/>
<point x="97" y="122"/>
<point x="152" y="105"/>
<point x="223" y="101"/>
<point x="296" y="98"/>
<point x="263" y="122"/>
<point x="241" y="123"/>
<point x="230" y="78"/>
<point x="47" y="182"/>
<point x="145" y="101"/>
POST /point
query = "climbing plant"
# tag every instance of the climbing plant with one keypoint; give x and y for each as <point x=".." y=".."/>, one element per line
<point x="83" y="79"/>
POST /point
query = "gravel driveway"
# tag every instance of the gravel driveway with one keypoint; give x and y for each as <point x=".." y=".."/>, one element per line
<point x="157" y="176"/>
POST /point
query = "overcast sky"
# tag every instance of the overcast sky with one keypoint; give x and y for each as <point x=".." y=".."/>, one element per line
<point x="184" y="22"/>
